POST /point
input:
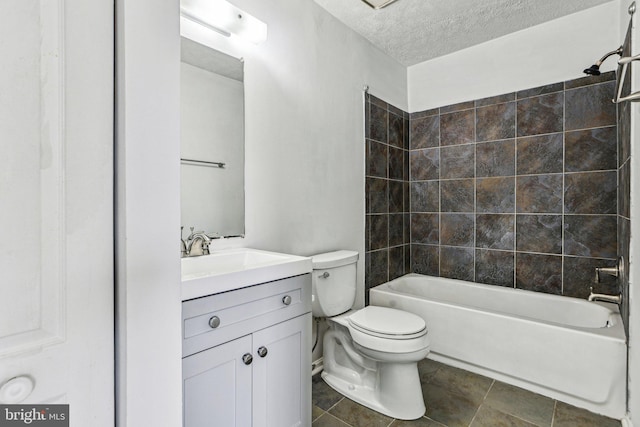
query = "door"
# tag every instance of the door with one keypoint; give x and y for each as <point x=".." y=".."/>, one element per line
<point x="282" y="374"/>
<point x="56" y="168"/>
<point x="217" y="386"/>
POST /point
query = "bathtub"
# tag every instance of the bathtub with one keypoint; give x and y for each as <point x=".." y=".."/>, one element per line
<point x="565" y="348"/>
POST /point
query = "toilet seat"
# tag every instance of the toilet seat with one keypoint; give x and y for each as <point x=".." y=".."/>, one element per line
<point x="388" y="323"/>
<point x="383" y="330"/>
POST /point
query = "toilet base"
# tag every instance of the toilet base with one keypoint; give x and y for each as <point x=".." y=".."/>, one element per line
<point x="409" y="407"/>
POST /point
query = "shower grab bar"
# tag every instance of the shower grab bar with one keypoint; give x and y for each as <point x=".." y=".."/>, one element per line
<point x="203" y="163"/>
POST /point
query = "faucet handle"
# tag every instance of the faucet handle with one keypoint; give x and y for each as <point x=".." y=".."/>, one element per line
<point x="611" y="271"/>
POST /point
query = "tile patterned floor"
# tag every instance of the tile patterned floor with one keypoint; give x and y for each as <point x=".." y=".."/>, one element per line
<point x="457" y="398"/>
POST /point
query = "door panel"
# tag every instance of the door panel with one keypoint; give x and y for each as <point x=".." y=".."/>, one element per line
<point x="32" y="248"/>
<point x="56" y="180"/>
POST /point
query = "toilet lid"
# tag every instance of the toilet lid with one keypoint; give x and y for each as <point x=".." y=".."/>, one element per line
<point x="387" y="321"/>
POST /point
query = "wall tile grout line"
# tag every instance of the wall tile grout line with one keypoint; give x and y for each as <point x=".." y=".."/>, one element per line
<point x="475" y="180"/>
<point x="515" y="198"/>
<point x="564" y="162"/>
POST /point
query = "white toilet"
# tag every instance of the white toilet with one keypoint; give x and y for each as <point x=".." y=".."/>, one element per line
<point x="370" y="355"/>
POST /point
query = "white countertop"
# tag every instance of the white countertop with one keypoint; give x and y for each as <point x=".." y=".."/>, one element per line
<point x="231" y="269"/>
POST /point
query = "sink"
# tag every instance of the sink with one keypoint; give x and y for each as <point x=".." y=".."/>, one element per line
<point x="231" y="269"/>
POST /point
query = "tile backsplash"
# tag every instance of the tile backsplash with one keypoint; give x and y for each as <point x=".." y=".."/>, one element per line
<point x="517" y="190"/>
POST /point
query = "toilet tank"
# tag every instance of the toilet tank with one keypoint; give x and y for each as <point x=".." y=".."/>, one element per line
<point x="333" y="283"/>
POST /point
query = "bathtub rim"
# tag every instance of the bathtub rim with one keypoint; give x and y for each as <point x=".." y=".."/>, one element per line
<point x="615" y="332"/>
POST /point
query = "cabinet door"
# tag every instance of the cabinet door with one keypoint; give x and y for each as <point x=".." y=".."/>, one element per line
<point x="282" y="377"/>
<point x="216" y="386"/>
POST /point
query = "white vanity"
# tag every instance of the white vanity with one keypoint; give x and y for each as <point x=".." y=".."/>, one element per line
<point x="246" y="327"/>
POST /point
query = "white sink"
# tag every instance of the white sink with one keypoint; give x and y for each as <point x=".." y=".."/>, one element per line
<point x="237" y="268"/>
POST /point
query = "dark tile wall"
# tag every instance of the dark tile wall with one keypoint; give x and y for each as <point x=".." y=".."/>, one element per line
<point x="518" y="190"/>
<point x="387" y="192"/>
<point x="526" y="190"/>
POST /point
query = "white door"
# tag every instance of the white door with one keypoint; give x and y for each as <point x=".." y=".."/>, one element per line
<point x="217" y="386"/>
<point x="281" y="374"/>
<point x="56" y="174"/>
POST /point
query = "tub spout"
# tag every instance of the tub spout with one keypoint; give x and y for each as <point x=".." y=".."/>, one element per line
<point x="606" y="298"/>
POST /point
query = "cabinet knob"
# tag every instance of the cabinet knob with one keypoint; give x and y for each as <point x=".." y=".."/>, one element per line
<point x="286" y="300"/>
<point x="262" y="351"/>
<point x="247" y="358"/>
<point x="214" y="322"/>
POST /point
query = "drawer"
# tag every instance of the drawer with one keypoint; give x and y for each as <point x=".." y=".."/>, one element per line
<point x="216" y="319"/>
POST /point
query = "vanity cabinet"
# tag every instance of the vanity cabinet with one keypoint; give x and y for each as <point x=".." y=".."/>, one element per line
<point x="247" y="356"/>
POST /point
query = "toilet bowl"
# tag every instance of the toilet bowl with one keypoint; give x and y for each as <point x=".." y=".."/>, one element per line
<point x="370" y="355"/>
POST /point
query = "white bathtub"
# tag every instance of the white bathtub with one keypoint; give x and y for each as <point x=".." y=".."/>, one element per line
<point x="565" y="348"/>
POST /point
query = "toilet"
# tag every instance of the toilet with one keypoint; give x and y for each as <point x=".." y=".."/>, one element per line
<point x="370" y="355"/>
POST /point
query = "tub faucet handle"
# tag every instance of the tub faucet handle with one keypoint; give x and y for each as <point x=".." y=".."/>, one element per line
<point x="611" y="271"/>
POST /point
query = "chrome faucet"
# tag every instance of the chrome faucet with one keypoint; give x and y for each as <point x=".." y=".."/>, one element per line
<point x="603" y="297"/>
<point x="611" y="271"/>
<point x="618" y="272"/>
<point x="198" y="244"/>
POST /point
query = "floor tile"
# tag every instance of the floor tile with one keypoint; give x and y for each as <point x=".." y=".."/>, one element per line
<point x="316" y="412"/>
<point x="420" y="422"/>
<point x="457" y="398"/>
<point x="570" y="416"/>
<point x="450" y="409"/>
<point x="428" y="368"/>
<point x="521" y="403"/>
<point x="490" y="417"/>
<point x="359" y="416"/>
<point x="328" y="420"/>
<point x="323" y="396"/>
<point x="464" y="383"/>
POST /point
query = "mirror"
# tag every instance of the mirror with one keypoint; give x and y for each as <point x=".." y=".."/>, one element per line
<point x="212" y="141"/>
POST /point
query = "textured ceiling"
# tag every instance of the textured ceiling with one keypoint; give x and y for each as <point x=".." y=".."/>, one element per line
<point x="413" y="31"/>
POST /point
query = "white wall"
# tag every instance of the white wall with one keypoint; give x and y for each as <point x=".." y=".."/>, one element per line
<point x="304" y="162"/>
<point x="547" y="53"/>
<point x="211" y="129"/>
<point x="148" y="333"/>
<point x="305" y="128"/>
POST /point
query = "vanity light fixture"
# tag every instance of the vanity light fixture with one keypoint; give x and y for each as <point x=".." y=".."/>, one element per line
<point x="224" y="18"/>
<point x="378" y="4"/>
